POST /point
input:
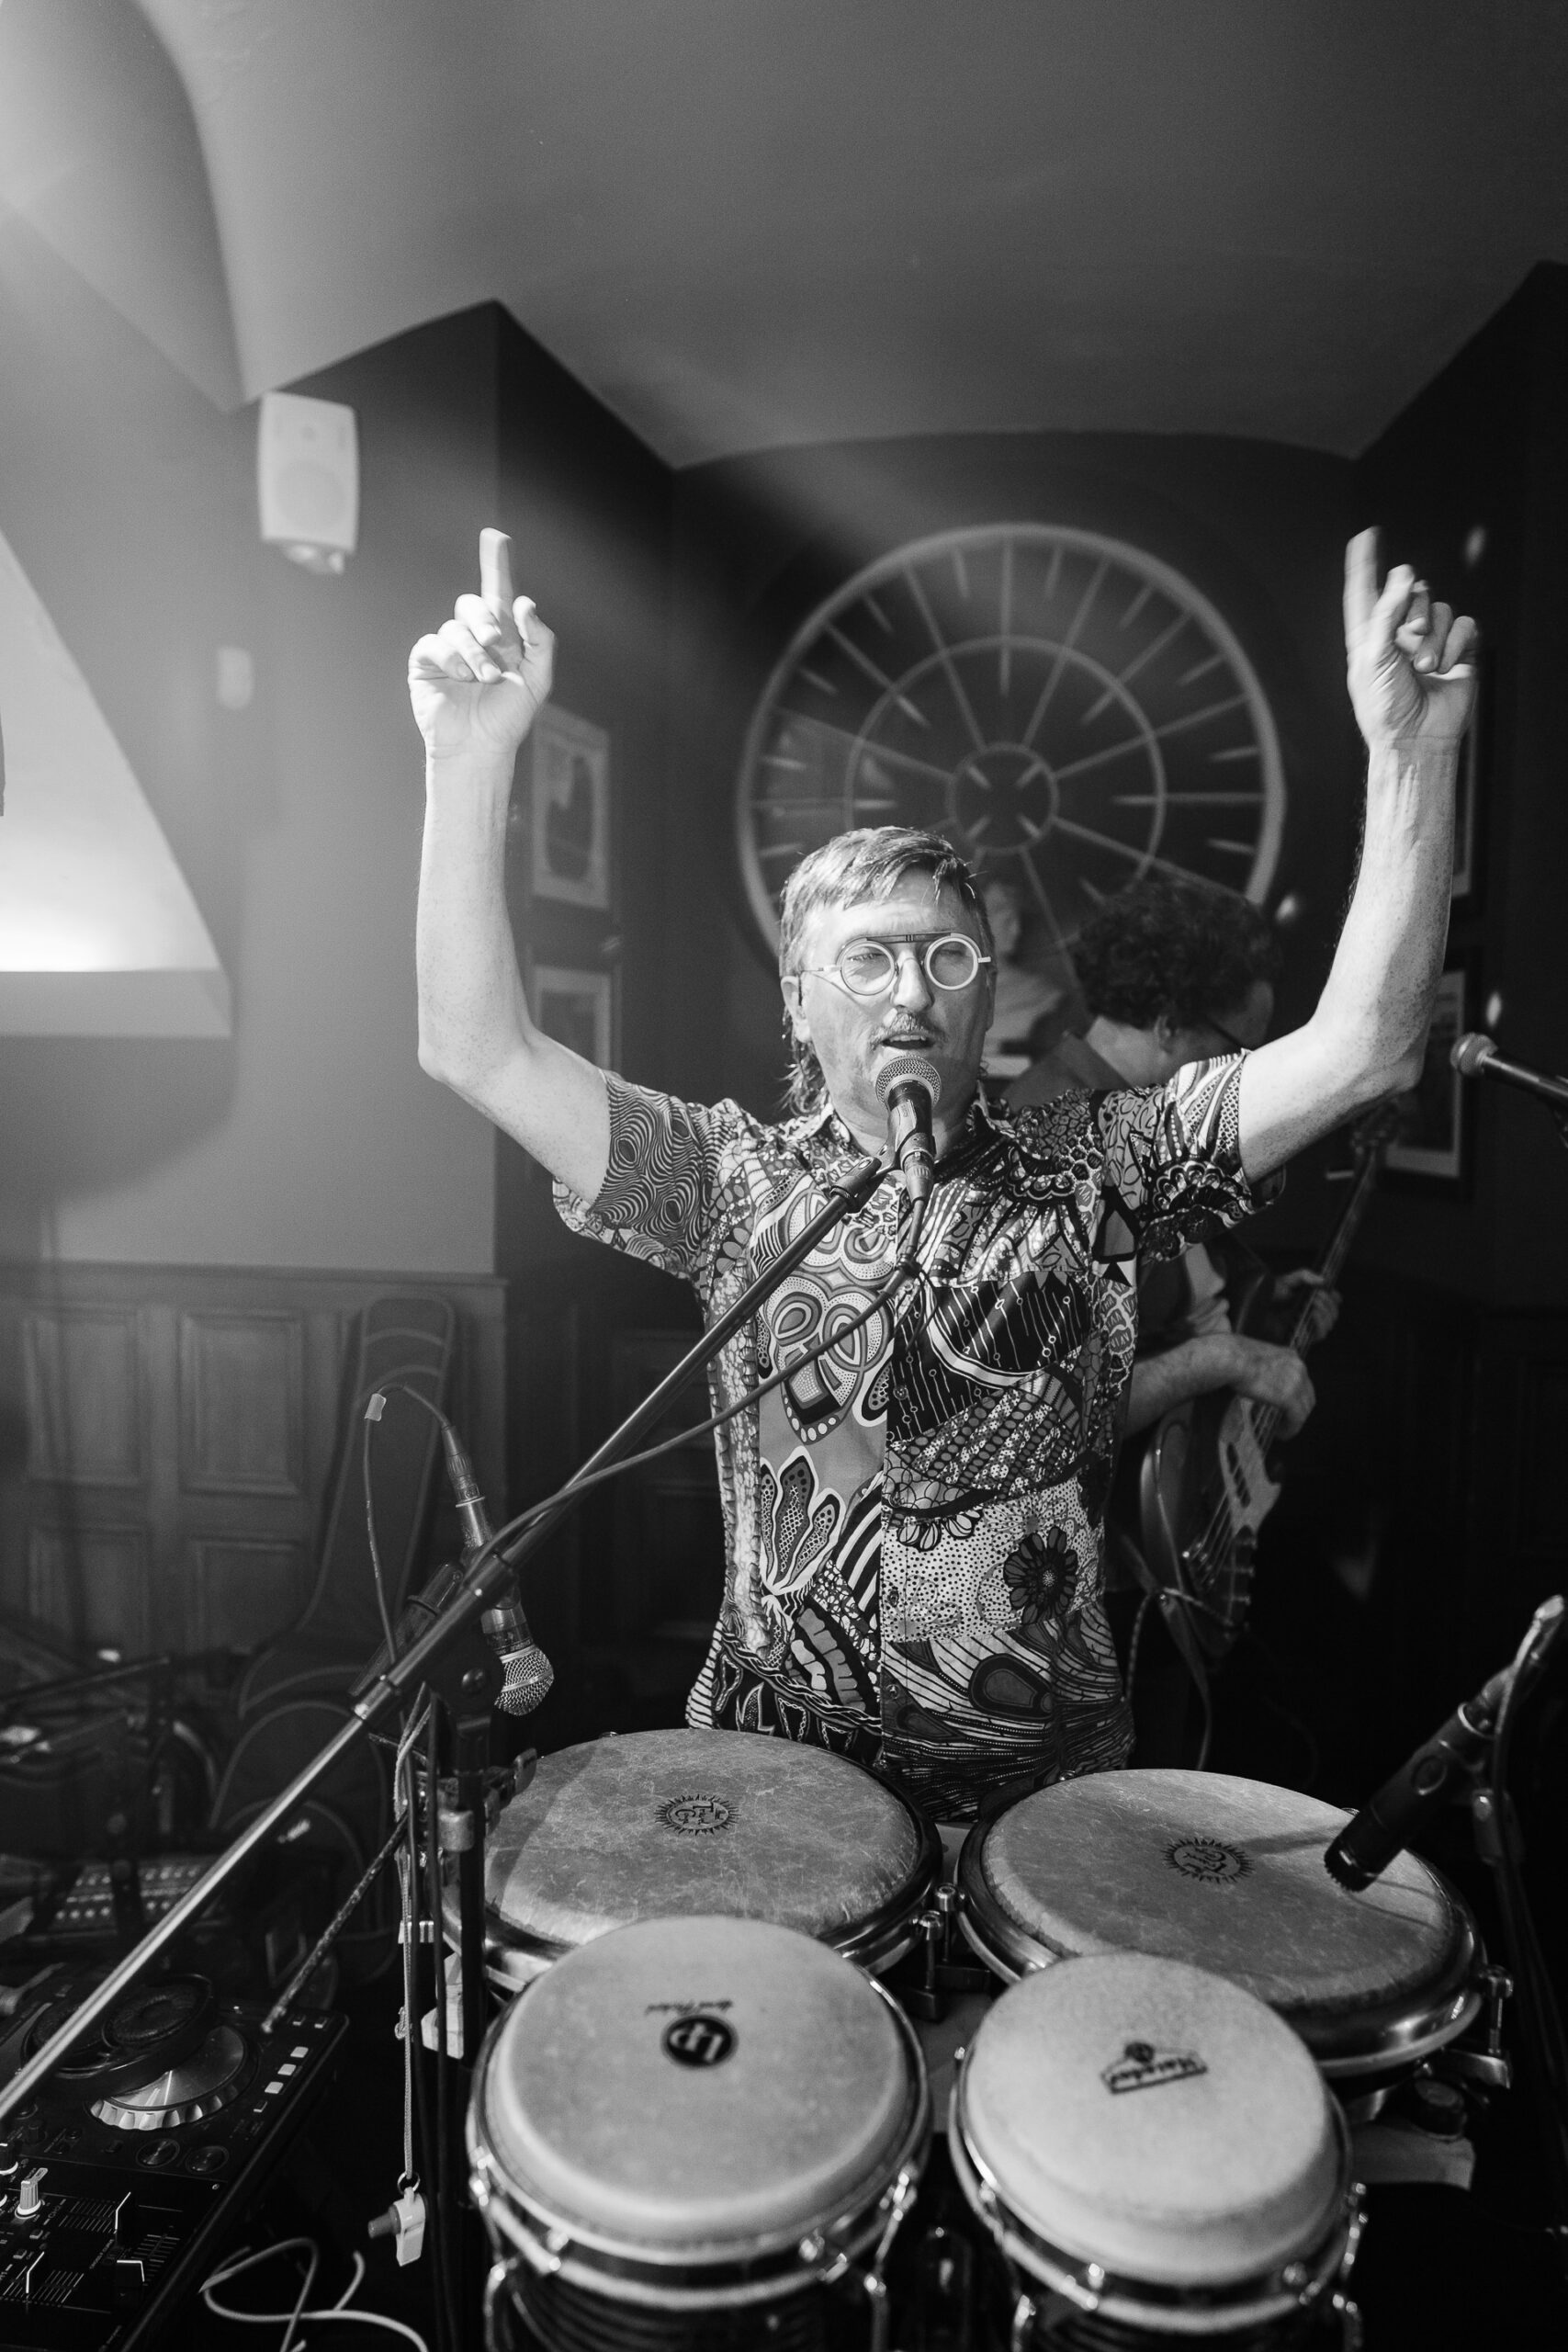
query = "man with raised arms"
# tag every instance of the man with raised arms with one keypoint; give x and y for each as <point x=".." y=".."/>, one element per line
<point x="914" y="1523"/>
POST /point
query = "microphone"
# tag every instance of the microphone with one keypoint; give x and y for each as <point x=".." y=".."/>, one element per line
<point x="908" y="1088"/>
<point x="1370" y="1840"/>
<point x="526" y="1672"/>
<point x="1475" y="1055"/>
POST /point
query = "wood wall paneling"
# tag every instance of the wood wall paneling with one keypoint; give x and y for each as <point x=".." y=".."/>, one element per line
<point x="242" y="1404"/>
<point x="92" y="1584"/>
<point x="84" y="1401"/>
<point x="240" y="1591"/>
<point x="177" y="1430"/>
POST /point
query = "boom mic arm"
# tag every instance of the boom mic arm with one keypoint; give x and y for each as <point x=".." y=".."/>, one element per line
<point x="1475" y="1055"/>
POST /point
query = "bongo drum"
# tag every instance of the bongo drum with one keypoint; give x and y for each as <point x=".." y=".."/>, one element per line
<point x="686" y="2132"/>
<point x="1227" y="1874"/>
<point x="657" y="1823"/>
<point x="1155" y="2154"/>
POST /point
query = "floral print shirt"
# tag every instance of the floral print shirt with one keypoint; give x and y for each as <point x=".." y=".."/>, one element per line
<point x="914" y="1523"/>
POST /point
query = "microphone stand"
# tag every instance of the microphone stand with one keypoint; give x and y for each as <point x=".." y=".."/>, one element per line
<point x="491" y="1569"/>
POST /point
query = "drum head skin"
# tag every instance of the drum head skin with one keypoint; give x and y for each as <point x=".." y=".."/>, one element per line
<point x="1225" y="1874"/>
<point x="657" y="1824"/>
<point x="700" y="2087"/>
<point x="1153" y="2119"/>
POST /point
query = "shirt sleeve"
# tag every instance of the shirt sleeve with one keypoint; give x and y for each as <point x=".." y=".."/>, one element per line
<point x="1172" y="1166"/>
<point x="662" y="1196"/>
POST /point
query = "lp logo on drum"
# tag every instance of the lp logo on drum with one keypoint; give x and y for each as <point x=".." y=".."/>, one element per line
<point x="700" y="2040"/>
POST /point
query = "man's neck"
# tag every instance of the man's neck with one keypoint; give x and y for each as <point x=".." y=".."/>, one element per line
<point x="945" y="1128"/>
<point x="1133" y="1054"/>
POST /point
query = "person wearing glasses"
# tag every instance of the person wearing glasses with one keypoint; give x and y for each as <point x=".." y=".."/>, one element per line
<point x="914" y="1521"/>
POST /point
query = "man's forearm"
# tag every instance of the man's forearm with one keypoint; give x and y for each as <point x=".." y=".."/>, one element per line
<point x="1193" y="1368"/>
<point x="1364" y="1040"/>
<point x="471" y="1012"/>
<point x="1376" y="1000"/>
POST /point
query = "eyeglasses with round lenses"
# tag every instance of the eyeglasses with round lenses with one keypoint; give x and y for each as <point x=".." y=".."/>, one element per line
<point x="868" y="967"/>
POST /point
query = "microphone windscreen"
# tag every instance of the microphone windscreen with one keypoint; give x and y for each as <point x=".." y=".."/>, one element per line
<point x="1471" y="1052"/>
<point x="909" y="1070"/>
<point x="528" y="1678"/>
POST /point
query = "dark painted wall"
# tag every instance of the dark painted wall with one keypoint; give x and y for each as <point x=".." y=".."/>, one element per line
<point x="1485" y="446"/>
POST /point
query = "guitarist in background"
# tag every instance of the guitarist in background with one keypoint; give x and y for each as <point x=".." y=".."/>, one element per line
<point x="1171" y="972"/>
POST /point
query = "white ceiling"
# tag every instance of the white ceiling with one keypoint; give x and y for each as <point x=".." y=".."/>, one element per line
<point x="747" y="222"/>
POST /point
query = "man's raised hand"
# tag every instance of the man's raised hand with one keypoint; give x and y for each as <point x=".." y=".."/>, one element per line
<point x="1410" y="663"/>
<point x="478" y="681"/>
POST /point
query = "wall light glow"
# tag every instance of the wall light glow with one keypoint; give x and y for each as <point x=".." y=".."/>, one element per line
<point x="88" y="883"/>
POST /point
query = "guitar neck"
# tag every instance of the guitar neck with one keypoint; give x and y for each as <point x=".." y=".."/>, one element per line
<point x="1266" y="1417"/>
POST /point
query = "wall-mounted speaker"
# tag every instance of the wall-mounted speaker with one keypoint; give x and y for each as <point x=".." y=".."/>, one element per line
<point x="308" y="479"/>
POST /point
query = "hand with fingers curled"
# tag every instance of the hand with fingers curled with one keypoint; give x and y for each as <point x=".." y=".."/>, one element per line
<point x="1272" y="1375"/>
<point x="1303" y="1286"/>
<point x="1410" y="661"/>
<point x="478" y="681"/>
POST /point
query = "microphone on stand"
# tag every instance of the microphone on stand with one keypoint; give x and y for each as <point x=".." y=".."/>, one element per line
<point x="1382" y="1828"/>
<point x="526" y="1671"/>
<point x="1476" y="1056"/>
<point x="908" y="1088"/>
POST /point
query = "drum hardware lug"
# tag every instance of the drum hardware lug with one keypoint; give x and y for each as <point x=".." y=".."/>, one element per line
<point x="926" y="1999"/>
<point x="556" y="2243"/>
<point x="1489" y="2066"/>
<point x="875" y="2290"/>
<point x="456" y="1830"/>
<point x="1025" y="2312"/>
<point x="1094" y="2280"/>
<point x="1349" y="2317"/>
<point x="1293" y="2276"/>
<point x="813" y="2248"/>
<point x="498" y="2281"/>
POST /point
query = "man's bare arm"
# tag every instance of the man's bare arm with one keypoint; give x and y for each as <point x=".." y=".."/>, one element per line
<point x="1412" y="678"/>
<point x="1255" y="1368"/>
<point x="476" y="685"/>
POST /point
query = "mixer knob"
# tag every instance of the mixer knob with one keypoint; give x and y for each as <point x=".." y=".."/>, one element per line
<point x="29" y="2197"/>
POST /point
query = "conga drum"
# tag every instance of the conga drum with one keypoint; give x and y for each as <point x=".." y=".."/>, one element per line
<point x="657" y="1824"/>
<point x="1228" y="1875"/>
<point x="699" y="2133"/>
<point x="1154" y="2156"/>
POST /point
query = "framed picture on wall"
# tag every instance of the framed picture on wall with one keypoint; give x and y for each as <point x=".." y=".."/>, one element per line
<point x="1465" y="803"/>
<point x="1432" y="1149"/>
<point x="576" y="1009"/>
<point x="570" y="804"/>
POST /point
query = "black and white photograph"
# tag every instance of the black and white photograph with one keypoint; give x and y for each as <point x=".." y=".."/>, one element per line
<point x="1430" y="1142"/>
<point x="570" y="781"/>
<point x="784" y="1228"/>
<point x="576" y="1009"/>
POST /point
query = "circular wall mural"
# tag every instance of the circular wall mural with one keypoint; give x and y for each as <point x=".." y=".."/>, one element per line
<point x="1070" y="712"/>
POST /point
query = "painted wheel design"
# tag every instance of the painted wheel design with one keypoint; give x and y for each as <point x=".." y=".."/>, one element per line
<point x="1069" y="711"/>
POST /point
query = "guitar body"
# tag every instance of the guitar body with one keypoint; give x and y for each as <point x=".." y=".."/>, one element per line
<point x="1203" y="1492"/>
<point x="1202" y="1484"/>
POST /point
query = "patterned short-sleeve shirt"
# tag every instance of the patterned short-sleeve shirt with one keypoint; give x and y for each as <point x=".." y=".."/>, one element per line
<point x="914" y="1523"/>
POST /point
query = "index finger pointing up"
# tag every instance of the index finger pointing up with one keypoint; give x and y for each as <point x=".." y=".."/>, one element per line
<point x="495" y="570"/>
<point x="1360" y="583"/>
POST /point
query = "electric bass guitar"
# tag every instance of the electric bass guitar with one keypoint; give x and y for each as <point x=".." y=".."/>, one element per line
<point x="1203" y="1484"/>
